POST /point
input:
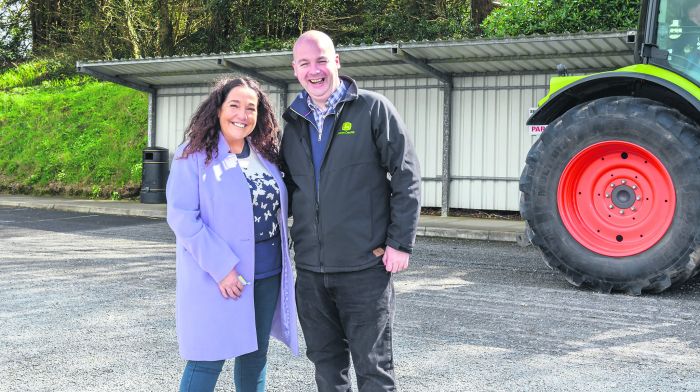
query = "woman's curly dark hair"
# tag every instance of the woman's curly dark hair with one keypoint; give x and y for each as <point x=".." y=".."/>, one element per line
<point x="203" y="130"/>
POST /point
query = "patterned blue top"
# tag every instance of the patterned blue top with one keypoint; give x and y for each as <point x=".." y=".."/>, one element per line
<point x="265" y="196"/>
<point x="264" y="193"/>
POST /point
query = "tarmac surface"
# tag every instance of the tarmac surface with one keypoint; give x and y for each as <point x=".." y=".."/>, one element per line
<point x="431" y="226"/>
<point x="87" y="304"/>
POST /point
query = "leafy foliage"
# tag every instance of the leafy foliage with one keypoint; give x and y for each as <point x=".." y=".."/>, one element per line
<point x="109" y="29"/>
<point x="406" y="20"/>
<point x="15" y="32"/>
<point x="526" y="17"/>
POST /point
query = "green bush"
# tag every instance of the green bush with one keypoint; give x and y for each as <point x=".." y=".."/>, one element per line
<point x="72" y="136"/>
<point x="526" y="17"/>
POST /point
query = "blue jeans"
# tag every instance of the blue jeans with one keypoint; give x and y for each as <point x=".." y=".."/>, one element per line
<point x="248" y="369"/>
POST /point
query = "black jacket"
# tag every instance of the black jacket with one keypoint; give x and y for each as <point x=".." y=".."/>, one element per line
<point x="369" y="192"/>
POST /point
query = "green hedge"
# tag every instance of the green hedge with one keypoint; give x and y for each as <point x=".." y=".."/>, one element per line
<point x="526" y="17"/>
<point x="73" y="137"/>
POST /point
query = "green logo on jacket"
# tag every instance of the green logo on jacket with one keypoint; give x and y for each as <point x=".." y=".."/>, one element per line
<point x="346" y="129"/>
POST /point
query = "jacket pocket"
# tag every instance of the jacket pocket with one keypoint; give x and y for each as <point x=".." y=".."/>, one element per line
<point x="348" y="231"/>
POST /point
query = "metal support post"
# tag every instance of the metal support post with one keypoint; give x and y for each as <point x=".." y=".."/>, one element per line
<point x="152" y="104"/>
<point x="446" y="150"/>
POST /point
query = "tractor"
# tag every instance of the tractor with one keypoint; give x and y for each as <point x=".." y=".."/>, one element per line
<point x="610" y="191"/>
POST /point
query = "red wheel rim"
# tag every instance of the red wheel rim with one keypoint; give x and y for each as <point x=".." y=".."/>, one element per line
<point x="616" y="198"/>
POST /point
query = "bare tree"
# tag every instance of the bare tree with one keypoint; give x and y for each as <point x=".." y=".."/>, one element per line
<point x="480" y="9"/>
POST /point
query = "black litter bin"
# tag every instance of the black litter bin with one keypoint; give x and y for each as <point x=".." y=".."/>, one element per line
<point x="154" y="175"/>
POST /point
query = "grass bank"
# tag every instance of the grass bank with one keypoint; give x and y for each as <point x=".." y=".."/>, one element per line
<point x="71" y="136"/>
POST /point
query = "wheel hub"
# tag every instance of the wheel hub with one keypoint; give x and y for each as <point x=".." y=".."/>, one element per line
<point x="623" y="196"/>
<point x="616" y="198"/>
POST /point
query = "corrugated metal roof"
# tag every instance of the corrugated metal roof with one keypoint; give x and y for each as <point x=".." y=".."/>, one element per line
<point x="583" y="52"/>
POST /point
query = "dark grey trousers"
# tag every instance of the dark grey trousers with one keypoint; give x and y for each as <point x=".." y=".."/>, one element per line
<point x="344" y="314"/>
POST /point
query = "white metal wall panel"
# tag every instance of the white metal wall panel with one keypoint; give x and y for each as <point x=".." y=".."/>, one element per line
<point x="490" y="140"/>
<point x="174" y="108"/>
<point x="419" y="102"/>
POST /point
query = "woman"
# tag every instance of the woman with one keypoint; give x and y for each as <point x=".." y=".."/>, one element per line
<point x="227" y="205"/>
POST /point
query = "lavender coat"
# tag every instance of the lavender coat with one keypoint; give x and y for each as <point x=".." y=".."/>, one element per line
<point x="210" y="211"/>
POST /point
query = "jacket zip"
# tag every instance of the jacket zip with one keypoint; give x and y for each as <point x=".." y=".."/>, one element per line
<point x="318" y="189"/>
<point x="307" y="149"/>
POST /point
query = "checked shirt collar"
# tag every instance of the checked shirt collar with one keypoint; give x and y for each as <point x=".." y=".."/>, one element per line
<point x="320" y="115"/>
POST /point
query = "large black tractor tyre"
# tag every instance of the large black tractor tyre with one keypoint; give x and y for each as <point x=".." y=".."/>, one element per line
<point x="651" y="132"/>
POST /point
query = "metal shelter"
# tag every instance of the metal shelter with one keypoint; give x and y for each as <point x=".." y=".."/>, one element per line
<point x="441" y="80"/>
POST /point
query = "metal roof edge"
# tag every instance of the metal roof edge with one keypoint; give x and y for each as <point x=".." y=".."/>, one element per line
<point x="147" y="88"/>
<point x="154" y="60"/>
<point x="518" y="39"/>
<point x="352" y="48"/>
<point x="266" y="53"/>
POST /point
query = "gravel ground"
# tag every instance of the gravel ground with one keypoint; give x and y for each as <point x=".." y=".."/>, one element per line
<point x="87" y="304"/>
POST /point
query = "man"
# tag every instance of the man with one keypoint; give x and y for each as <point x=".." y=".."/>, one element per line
<point x="354" y="187"/>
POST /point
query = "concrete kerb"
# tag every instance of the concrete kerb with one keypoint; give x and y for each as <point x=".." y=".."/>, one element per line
<point x="428" y="226"/>
<point x="89" y="207"/>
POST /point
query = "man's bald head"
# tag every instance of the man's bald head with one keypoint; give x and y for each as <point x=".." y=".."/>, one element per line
<point x="316" y="65"/>
<point x="320" y="38"/>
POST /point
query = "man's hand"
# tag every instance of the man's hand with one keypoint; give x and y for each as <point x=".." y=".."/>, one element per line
<point x="395" y="260"/>
<point x="230" y="286"/>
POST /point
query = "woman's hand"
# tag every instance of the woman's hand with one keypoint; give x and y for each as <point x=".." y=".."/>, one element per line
<point x="231" y="286"/>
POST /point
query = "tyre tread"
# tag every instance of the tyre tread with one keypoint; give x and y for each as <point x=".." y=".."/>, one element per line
<point x="537" y="163"/>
